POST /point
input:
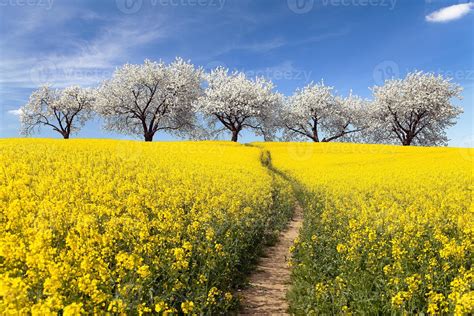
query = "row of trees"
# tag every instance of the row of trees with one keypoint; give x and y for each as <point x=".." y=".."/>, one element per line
<point x="182" y="99"/>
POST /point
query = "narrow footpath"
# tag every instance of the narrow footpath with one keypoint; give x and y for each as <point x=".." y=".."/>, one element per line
<point x="266" y="293"/>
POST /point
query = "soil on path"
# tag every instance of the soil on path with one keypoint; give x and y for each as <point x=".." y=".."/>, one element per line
<point x="266" y="293"/>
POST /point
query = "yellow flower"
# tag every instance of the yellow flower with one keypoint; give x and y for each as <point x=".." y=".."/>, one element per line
<point x="187" y="246"/>
<point x="228" y="296"/>
<point x="401" y="218"/>
<point x="187" y="307"/>
<point x="202" y="279"/>
<point x="218" y="247"/>
<point x="211" y="297"/>
<point x="73" y="309"/>
<point x="341" y="248"/>
<point x="160" y="307"/>
<point x="143" y="309"/>
<point x="144" y="271"/>
<point x="398" y="299"/>
<point x="116" y="306"/>
<point x="93" y="221"/>
<point x="346" y="310"/>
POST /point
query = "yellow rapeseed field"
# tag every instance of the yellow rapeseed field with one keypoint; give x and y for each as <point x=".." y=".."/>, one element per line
<point x="387" y="230"/>
<point x="96" y="226"/>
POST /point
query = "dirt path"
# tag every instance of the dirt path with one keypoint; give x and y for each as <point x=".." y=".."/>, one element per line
<point x="266" y="294"/>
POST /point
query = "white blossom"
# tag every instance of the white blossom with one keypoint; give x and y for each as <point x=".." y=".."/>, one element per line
<point x="415" y="110"/>
<point x="145" y="99"/>
<point x="315" y="112"/>
<point x="64" y="110"/>
<point x="237" y="102"/>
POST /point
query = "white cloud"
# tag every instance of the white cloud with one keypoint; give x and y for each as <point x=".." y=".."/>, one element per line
<point x="450" y="13"/>
<point x="90" y="62"/>
<point x="276" y="43"/>
<point x="16" y="112"/>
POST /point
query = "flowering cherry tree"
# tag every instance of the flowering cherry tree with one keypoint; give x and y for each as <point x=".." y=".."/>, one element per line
<point x="315" y="112"/>
<point x="64" y="110"/>
<point x="415" y="110"/>
<point x="145" y="99"/>
<point x="237" y="102"/>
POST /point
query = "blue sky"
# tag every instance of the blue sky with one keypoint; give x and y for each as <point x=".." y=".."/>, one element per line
<point x="351" y="44"/>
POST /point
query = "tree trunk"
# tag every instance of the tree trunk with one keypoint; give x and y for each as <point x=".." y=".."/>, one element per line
<point x="235" y="135"/>
<point x="65" y="135"/>
<point x="407" y="140"/>
<point x="315" y="137"/>
<point x="148" y="137"/>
